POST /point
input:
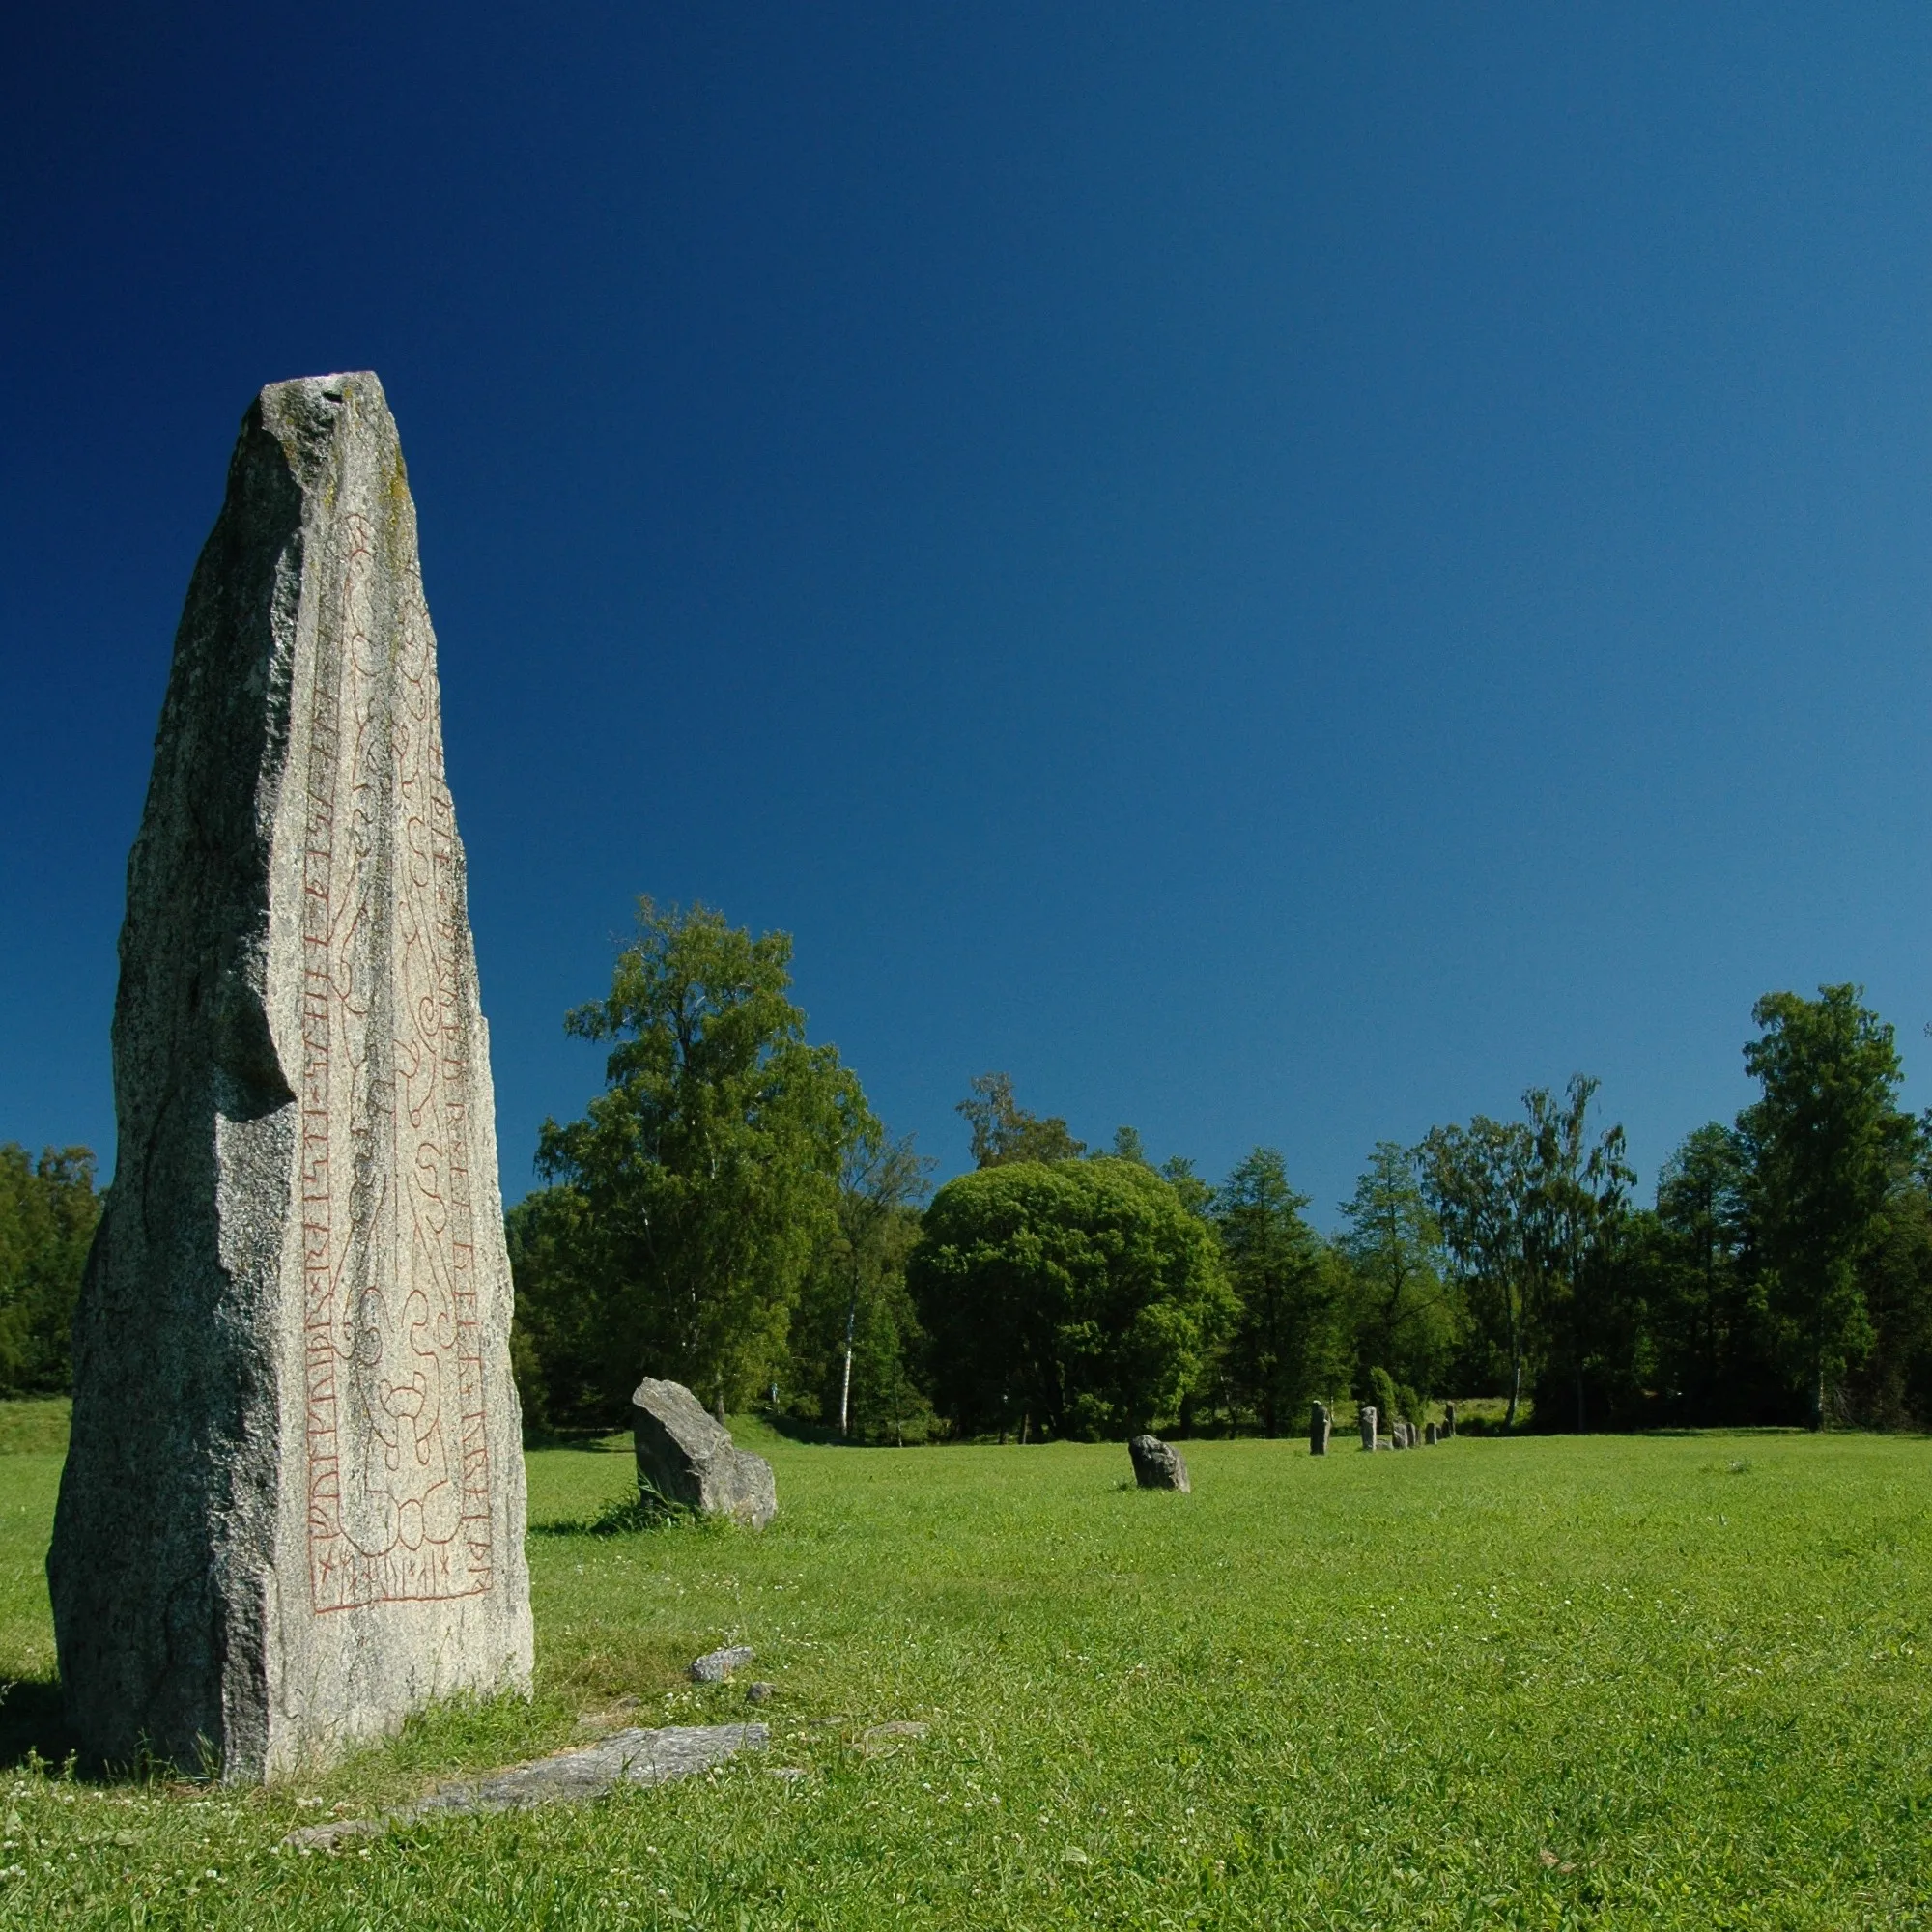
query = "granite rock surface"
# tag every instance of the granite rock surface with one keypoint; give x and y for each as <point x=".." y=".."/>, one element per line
<point x="293" y="1508"/>
<point x="686" y="1456"/>
<point x="1157" y="1464"/>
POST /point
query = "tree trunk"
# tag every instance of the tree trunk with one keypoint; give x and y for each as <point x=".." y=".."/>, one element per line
<point x="845" y="1387"/>
<point x="717" y="1406"/>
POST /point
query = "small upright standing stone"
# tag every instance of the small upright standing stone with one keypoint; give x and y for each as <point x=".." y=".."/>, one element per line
<point x="1398" y="1434"/>
<point x="1318" y="1430"/>
<point x="1366" y="1417"/>
<point x="292" y="1507"/>
<point x="1157" y="1464"/>
<point x="1430" y="1436"/>
<point x="1448" y="1418"/>
<point x="686" y="1456"/>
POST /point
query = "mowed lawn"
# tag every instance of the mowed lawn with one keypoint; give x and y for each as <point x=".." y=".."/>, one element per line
<point x="1676" y="1681"/>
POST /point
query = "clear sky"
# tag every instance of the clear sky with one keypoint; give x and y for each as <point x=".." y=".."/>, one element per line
<point x="1279" y="573"/>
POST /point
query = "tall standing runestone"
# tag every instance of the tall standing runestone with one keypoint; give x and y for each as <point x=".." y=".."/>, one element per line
<point x="293" y="1510"/>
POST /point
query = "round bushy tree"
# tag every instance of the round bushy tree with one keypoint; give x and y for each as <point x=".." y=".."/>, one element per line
<point x="1077" y="1295"/>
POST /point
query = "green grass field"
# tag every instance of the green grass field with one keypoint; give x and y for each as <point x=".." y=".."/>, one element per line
<point x="1665" y="1681"/>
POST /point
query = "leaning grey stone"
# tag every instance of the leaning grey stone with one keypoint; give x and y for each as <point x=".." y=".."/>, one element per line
<point x="1157" y="1464"/>
<point x="716" y="1665"/>
<point x="686" y="1456"/>
<point x="1365" y="1417"/>
<point x="1318" y="1430"/>
<point x="1398" y="1432"/>
<point x="293" y="1508"/>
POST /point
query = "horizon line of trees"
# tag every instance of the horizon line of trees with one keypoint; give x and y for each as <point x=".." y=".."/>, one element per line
<point x="728" y="1211"/>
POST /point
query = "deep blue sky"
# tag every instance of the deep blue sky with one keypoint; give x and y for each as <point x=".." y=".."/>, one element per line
<point x="1279" y="573"/>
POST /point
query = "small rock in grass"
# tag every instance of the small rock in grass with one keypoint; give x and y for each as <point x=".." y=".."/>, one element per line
<point x="887" y="1737"/>
<point x="326" y="1838"/>
<point x="760" y="1693"/>
<point x="716" y="1665"/>
<point x="1157" y="1464"/>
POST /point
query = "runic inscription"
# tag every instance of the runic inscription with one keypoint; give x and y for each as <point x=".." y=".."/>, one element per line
<point x="398" y="1464"/>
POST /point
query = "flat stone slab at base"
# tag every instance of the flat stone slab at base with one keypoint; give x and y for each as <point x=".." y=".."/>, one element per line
<point x="624" y="1757"/>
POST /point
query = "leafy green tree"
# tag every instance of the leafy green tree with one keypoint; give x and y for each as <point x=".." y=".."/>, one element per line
<point x="1893" y="1390"/>
<point x="856" y="1341"/>
<point x="708" y="1169"/>
<point x="1078" y="1299"/>
<point x="1704" y="1300"/>
<point x="1574" y="1201"/>
<point x="1409" y="1313"/>
<point x="1828" y="1144"/>
<point x="1289" y="1342"/>
<point x="47" y="1211"/>
<point x="1476" y="1180"/>
<point x="570" y="1345"/>
<point x="1004" y="1131"/>
<point x="1197" y="1195"/>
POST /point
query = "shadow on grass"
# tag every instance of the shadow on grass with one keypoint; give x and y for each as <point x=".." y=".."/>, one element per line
<point x="33" y="1722"/>
<point x="637" y="1514"/>
<point x="594" y="1442"/>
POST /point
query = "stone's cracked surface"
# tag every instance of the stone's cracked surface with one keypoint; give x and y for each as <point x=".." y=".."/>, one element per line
<point x="686" y="1456"/>
<point x="293" y="1510"/>
<point x="1158" y="1464"/>
<point x="625" y="1758"/>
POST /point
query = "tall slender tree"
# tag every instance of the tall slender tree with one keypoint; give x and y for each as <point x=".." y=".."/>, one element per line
<point x="1827" y="1142"/>
<point x="1408" y="1315"/>
<point x="1476" y="1180"/>
<point x="1574" y="1199"/>
<point x="1287" y="1341"/>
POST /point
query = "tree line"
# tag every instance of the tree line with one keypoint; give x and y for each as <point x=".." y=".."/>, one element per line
<point x="729" y="1212"/>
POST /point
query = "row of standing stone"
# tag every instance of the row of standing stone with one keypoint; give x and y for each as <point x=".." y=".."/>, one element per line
<point x="1401" y="1435"/>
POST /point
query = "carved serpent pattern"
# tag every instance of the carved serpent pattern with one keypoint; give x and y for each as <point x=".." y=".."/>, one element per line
<point x="398" y="1464"/>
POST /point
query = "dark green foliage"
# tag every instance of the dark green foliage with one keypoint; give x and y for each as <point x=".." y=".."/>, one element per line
<point x="1408" y="1311"/>
<point x="702" y="1182"/>
<point x="1828" y="1146"/>
<point x="573" y="1347"/>
<point x="1071" y="1299"/>
<point x="1383" y="1393"/>
<point x="1290" y="1341"/>
<point x="857" y="1351"/>
<point x="47" y="1211"/>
